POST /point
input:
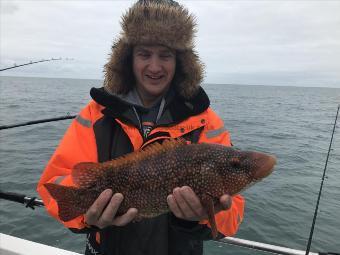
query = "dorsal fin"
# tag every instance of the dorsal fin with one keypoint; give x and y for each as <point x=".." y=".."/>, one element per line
<point x="86" y="173"/>
<point x="148" y="151"/>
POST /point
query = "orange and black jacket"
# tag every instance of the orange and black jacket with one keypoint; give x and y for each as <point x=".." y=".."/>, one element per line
<point x="108" y="128"/>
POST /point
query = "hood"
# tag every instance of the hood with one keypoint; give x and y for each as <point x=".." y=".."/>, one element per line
<point x="155" y="22"/>
<point x="179" y="107"/>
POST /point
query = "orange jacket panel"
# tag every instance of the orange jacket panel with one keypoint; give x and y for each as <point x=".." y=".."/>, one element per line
<point x="77" y="145"/>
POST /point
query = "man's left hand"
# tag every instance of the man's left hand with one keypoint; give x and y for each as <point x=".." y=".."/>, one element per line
<point x="185" y="204"/>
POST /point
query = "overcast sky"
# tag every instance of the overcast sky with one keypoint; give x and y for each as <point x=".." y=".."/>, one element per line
<point x="244" y="42"/>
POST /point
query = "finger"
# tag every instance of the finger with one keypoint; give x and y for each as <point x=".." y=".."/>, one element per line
<point x="125" y="218"/>
<point x="174" y="207"/>
<point x="192" y="201"/>
<point x="226" y="202"/>
<point x="93" y="213"/>
<point x="182" y="204"/>
<point x="110" y="211"/>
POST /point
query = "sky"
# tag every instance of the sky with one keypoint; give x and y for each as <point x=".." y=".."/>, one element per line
<point x="264" y="42"/>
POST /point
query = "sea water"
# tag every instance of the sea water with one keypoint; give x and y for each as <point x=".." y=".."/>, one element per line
<point x="293" y="123"/>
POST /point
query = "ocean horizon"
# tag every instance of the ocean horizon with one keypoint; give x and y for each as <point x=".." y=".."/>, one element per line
<point x="204" y="83"/>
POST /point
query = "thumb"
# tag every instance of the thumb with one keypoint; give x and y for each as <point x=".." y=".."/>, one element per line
<point x="226" y="201"/>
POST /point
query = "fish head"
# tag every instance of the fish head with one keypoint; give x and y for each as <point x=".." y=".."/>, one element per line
<point x="241" y="169"/>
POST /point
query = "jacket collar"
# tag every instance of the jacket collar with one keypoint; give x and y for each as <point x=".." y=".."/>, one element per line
<point x="177" y="108"/>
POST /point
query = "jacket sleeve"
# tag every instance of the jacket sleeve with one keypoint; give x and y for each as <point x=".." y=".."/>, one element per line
<point x="77" y="145"/>
<point x="227" y="221"/>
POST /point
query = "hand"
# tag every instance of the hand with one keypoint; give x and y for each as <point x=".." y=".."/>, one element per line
<point x="102" y="212"/>
<point x="185" y="204"/>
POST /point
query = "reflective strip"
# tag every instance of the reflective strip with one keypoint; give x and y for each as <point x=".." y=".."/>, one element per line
<point x="213" y="133"/>
<point x="82" y="121"/>
<point x="59" y="179"/>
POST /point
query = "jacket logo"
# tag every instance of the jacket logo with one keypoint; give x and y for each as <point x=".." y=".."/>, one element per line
<point x="91" y="249"/>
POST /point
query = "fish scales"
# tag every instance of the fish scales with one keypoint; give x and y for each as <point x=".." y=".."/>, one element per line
<point x="146" y="178"/>
<point x="147" y="183"/>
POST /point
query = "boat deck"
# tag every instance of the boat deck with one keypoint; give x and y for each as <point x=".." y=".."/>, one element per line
<point x="10" y="245"/>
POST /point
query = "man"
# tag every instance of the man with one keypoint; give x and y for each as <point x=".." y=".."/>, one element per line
<point x="151" y="93"/>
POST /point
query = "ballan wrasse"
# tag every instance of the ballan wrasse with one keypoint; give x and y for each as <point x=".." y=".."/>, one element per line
<point x="148" y="176"/>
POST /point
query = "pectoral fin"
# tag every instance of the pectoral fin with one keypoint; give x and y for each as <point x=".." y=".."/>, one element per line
<point x="208" y="203"/>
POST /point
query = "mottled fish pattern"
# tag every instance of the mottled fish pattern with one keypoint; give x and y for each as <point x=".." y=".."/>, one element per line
<point x="148" y="176"/>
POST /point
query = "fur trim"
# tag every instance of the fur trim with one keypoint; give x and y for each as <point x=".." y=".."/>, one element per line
<point x="189" y="73"/>
<point x="159" y="23"/>
<point x="119" y="77"/>
<point x="156" y="23"/>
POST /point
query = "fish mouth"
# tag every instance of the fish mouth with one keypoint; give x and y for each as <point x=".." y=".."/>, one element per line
<point x="265" y="165"/>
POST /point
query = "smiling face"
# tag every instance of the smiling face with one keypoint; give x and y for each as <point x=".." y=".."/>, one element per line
<point x="154" y="68"/>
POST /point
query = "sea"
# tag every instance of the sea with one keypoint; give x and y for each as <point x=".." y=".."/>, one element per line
<point x="293" y="123"/>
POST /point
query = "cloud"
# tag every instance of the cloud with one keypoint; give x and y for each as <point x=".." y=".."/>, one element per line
<point x="249" y="41"/>
<point x="270" y="40"/>
<point x="8" y="8"/>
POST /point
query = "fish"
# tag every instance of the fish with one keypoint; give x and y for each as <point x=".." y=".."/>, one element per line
<point x="146" y="177"/>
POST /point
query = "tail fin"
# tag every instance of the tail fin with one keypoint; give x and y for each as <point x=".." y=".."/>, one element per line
<point x="67" y="199"/>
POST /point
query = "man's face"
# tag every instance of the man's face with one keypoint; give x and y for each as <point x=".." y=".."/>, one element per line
<point x="154" y="68"/>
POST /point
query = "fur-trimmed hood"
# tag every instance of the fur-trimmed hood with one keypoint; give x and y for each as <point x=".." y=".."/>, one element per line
<point x="160" y="22"/>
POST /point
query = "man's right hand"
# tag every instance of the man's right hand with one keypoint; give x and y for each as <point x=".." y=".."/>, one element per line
<point x="102" y="212"/>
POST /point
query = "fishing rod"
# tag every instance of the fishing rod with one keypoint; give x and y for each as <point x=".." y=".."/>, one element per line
<point x="38" y="121"/>
<point x="321" y="186"/>
<point x="34" y="62"/>
<point x="30" y="202"/>
<point x="42" y="120"/>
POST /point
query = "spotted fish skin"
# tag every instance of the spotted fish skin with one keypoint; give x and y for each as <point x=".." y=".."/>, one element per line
<point x="146" y="178"/>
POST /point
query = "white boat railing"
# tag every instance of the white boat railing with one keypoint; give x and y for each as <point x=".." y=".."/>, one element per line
<point x="10" y="245"/>
<point x="264" y="247"/>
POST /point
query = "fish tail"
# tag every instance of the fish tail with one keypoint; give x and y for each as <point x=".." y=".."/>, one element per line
<point x="67" y="198"/>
